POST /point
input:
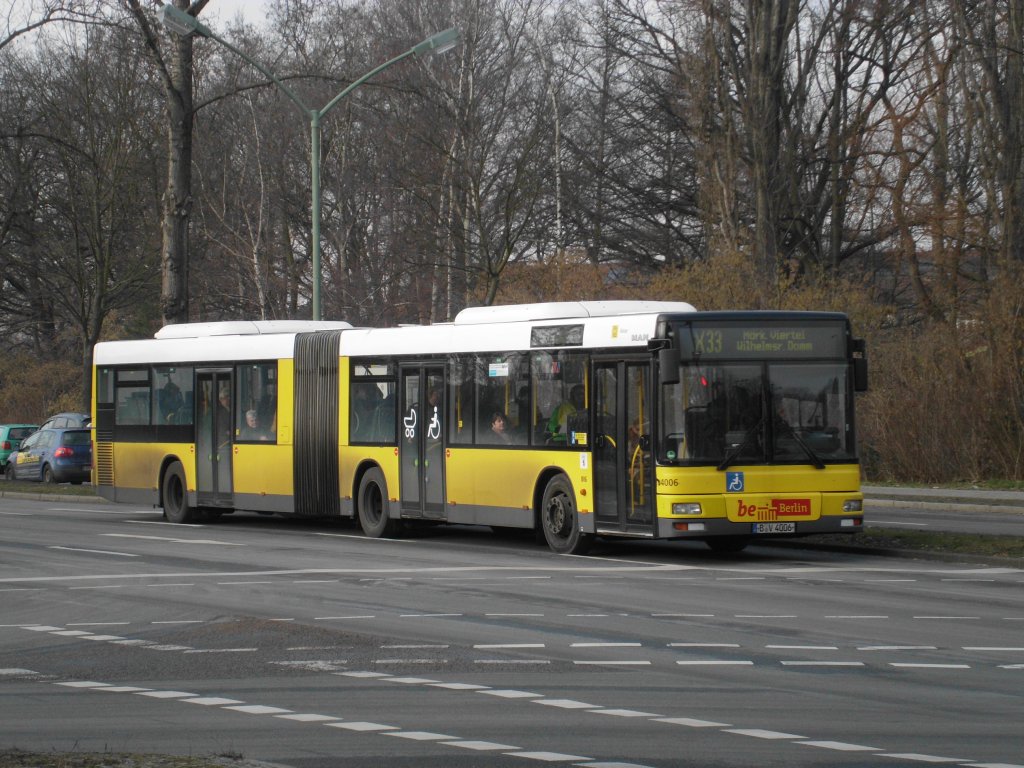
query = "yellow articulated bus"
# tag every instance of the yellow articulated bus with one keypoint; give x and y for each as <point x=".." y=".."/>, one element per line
<point x="646" y="420"/>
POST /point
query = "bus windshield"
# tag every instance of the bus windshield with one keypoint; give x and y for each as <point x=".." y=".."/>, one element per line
<point x="730" y="413"/>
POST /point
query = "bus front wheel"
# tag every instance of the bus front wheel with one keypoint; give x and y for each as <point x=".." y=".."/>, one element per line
<point x="175" y="496"/>
<point x="560" y="521"/>
<point x="372" y="506"/>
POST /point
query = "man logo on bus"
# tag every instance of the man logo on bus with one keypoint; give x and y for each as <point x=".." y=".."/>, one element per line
<point x="734" y="482"/>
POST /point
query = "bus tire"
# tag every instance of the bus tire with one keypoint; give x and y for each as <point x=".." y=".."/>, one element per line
<point x="560" y="521"/>
<point x="175" y="496"/>
<point x="728" y="544"/>
<point x="372" y="505"/>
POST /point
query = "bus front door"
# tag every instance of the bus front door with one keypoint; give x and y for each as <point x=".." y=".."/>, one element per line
<point x="421" y="442"/>
<point x="623" y="474"/>
<point x="214" y="434"/>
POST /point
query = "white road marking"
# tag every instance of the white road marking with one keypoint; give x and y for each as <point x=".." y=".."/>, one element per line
<point x="460" y="686"/>
<point x="413" y="681"/>
<point x="92" y="552"/>
<point x="98" y="624"/>
<point x="362" y="726"/>
<point x="907" y="665"/>
<point x="223" y="650"/>
<point x="613" y="663"/>
<point x="949" y="618"/>
<point x="309" y="718"/>
<point x="804" y="647"/>
<point x="990" y="648"/>
<point x="168" y="694"/>
<point x="922" y="758"/>
<point x="173" y="540"/>
<point x="703" y="645"/>
<point x="897" y="648"/>
<point x="758" y="733"/>
<point x="691" y="722"/>
<point x="12" y="671"/>
<point x="714" y="663"/>
<point x="421" y="735"/>
<point x="480" y="746"/>
<point x="510" y="646"/>
<point x="840" y="746"/>
<point x="624" y="713"/>
<point x="212" y="701"/>
<point x="547" y="757"/>
<point x="605" y="645"/>
<point x="511" y="661"/>
<point x="259" y="709"/>
<point x="340" y="618"/>
<point x="565" y="703"/>
<point x="510" y="694"/>
<point x="405" y="647"/>
<point x="429" y="615"/>
<point x="410" y="661"/>
<point x="83" y="684"/>
<point x="823" y="663"/>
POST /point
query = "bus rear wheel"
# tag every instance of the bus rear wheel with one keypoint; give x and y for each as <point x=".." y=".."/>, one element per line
<point x="372" y="506"/>
<point x="560" y="521"/>
<point x="175" y="496"/>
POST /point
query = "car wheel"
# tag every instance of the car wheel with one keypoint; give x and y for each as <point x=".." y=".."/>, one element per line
<point x="48" y="475"/>
<point x="372" y="505"/>
<point x="559" y="519"/>
<point x="9" y="472"/>
<point x="175" y="496"/>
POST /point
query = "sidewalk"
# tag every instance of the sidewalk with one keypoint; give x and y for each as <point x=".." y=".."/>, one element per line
<point x="965" y="499"/>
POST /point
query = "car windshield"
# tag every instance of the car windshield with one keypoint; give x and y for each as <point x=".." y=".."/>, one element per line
<point x="76" y="437"/>
<point x="761" y="413"/>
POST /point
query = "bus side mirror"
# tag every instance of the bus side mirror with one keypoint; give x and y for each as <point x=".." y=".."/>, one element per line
<point x="668" y="365"/>
<point x="860" y="374"/>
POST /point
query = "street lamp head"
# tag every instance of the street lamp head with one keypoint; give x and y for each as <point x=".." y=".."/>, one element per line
<point x="442" y="42"/>
<point x="179" y="22"/>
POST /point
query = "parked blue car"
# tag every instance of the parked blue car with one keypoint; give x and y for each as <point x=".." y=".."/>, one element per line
<point x="53" y="456"/>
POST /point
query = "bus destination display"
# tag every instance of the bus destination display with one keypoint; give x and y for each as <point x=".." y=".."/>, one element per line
<point x="745" y="342"/>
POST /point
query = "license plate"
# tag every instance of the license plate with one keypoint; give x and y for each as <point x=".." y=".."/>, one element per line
<point x="774" y="527"/>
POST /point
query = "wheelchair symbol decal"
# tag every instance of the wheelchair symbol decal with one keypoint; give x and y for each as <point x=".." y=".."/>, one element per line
<point x="734" y="482"/>
<point x="434" y="429"/>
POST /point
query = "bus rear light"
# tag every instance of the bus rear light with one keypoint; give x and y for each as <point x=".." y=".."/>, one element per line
<point x="688" y="526"/>
<point x="853" y="505"/>
<point x="686" y="509"/>
<point x="851" y="522"/>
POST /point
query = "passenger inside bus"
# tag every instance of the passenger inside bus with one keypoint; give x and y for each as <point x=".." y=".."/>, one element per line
<point x="558" y="424"/>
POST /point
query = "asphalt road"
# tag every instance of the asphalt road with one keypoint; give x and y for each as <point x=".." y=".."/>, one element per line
<point x="308" y="645"/>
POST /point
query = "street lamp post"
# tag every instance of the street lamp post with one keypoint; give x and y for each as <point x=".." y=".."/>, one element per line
<point x="182" y="23"/>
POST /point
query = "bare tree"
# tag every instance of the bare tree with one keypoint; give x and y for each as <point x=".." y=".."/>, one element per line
<point x="172" y="57"/>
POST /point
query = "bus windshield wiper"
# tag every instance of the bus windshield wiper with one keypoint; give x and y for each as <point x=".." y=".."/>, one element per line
<point x="816" y="460"/>
<point x="732" y="455"/>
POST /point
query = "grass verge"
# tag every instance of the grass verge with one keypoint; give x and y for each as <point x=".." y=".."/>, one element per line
<point x="1009" y="547"/>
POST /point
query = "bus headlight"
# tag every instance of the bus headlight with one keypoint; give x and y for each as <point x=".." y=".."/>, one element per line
<point x="686" y="509"/>
<point x="853" y="505"/>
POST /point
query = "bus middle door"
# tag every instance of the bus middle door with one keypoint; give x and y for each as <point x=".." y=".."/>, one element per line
<point x="214" y="438"/>
<point x="421" y="442"/>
